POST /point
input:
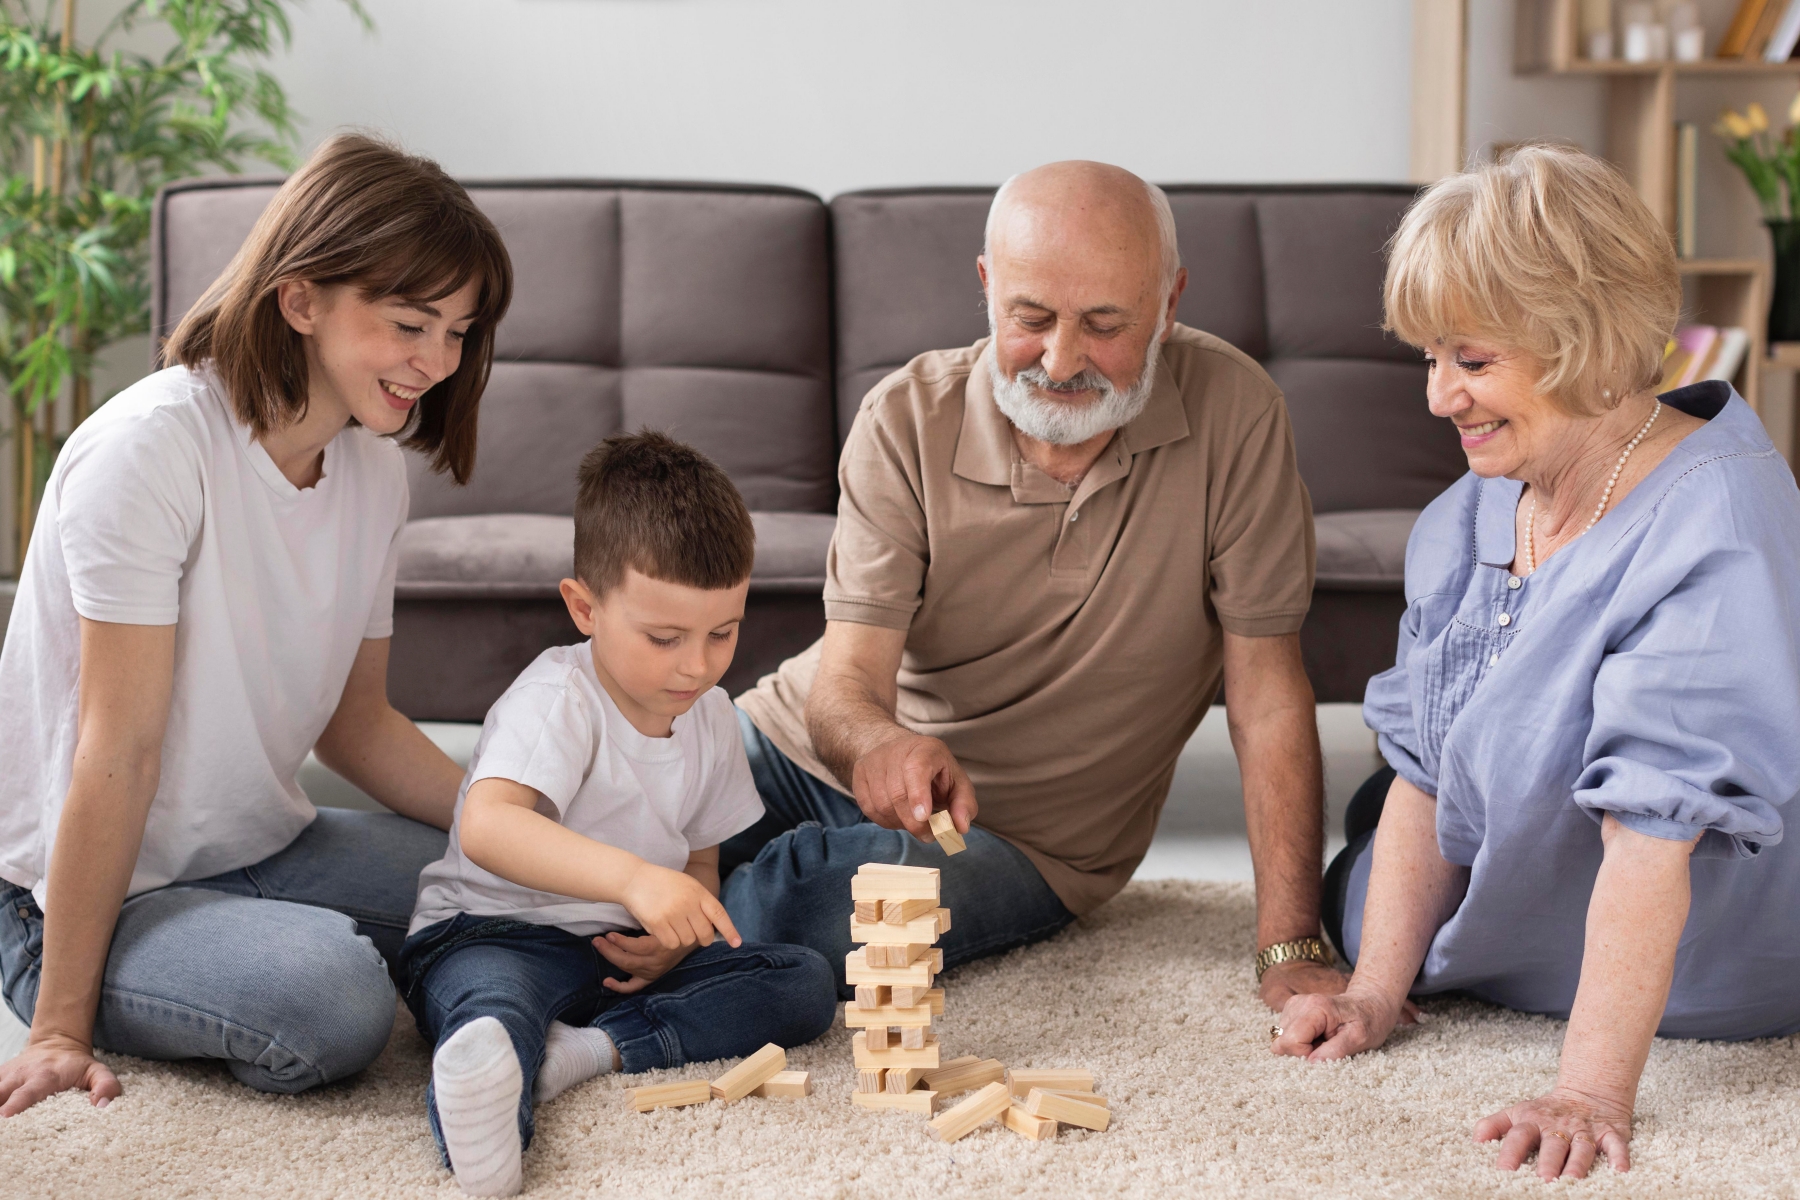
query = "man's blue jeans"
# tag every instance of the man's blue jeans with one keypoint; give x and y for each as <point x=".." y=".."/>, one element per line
<point x="790" y="873"/>
<point x="277" y="968"/>
<point x="716" y="1003"/>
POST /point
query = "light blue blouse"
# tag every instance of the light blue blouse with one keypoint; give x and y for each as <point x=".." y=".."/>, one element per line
<point x="1650" y="669"/>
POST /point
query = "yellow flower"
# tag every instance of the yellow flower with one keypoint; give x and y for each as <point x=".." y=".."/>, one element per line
<point x="1734" y="125"/>
<point x="1759" y="120"/>
<point x="1794" y="110"/>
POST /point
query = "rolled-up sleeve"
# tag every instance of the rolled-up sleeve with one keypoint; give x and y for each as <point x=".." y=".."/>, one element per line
<point x="1696" y="707"/>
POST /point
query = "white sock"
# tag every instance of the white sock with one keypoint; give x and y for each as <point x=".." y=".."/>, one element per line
<point x="571" y="1056"/>
<point x="476" y="1079"/>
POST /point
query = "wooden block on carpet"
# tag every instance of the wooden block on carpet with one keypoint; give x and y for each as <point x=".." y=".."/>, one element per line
<point x="926" y="929"/>
<point x="904" y="1079"/>
<point x="1061" y="1106"/>
<point x="872" y="995"/>
<point x="669" y="1095"/>
<point x="892" y="1014"/>
<point x="944" y="829"/>
<point x="750" y="1074"/>
<point x="871" y="1079"/>
<point x="889" y="888"/>
<point x="903" y="911"/>
<point x="1021" y="1081"/>
<point x="977" y="1110"/>
<point x="1032" y="1129"/>
<point x="919" y="1102"/>
<point x="786" y="1085"/>
<point x="1081" y="1097"/>
<point x="962" y="1074"/>
<point x="867" y="1057"/>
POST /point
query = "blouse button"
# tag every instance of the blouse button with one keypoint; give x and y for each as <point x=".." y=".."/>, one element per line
<point x="1494" y="661"/>
<point x="1514" y="582"/>
<point x="1505" y="620"/>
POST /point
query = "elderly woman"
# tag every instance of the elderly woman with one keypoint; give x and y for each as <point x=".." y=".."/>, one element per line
<point x="1592" y="721"/>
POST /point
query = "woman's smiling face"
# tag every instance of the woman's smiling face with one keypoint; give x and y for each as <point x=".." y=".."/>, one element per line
<point x="1489" y="392"/>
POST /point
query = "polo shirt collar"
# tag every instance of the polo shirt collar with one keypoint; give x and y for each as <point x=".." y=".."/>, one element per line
<point x="1496" y="534"/>
<point x="985" y="451"/>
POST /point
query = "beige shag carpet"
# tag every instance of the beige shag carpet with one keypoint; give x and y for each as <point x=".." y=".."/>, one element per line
<point x="1153" y="993"/>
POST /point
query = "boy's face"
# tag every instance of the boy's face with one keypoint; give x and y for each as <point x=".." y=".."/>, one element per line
<point x="657" y="646"/>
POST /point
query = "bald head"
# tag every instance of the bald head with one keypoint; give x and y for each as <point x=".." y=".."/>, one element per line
<point x="1085" y="207"/>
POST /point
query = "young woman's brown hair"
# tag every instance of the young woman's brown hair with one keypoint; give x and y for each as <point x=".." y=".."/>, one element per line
<point x="363" y="213"/>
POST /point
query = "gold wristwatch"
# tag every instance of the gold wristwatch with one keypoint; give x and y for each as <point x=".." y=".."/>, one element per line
<point x="1306" y="949"/>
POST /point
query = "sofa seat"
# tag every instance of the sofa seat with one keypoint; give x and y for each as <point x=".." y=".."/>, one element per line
<point x="1363" y="551"/>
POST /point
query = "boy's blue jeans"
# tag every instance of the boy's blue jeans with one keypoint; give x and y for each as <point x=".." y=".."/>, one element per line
<point x="716" y="1003"/>
<point x="789" y="874"/>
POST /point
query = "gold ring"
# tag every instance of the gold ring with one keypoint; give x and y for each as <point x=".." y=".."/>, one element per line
<point x="1274" y="1032"/>
<point x="1557" y="1133"/>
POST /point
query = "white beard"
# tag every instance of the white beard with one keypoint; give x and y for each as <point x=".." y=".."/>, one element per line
<point x="1024" y="401"/>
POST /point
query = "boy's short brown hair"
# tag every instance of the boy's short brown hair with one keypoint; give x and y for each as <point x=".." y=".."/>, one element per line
<point x="359" y="212"/>
<point x="649" y="503"/>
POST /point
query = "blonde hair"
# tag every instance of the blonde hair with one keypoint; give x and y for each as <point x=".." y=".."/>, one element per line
<point x="1547" y="250"/>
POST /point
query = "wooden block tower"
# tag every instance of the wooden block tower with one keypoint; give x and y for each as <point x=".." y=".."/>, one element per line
<point x="896" y="922"/>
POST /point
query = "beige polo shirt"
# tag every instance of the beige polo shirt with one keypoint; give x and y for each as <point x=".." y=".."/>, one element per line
<point x="1063" y="643"/>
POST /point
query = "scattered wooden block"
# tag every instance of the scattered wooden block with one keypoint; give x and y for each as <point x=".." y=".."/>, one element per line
<point x="901" y="910"/>
<point x="1021" y="1081"/>
<point x="978" y="1109"/>
<point x="928" y="1056"/>
<point x="1032" y="1129"/>
<point x="944" y="829"/>
<point x="750" y="1074"/>
<point x="1061" y="1106"/>
<point x="1082" y="1097"/>
<point x="912" y="1037"/>
<point x="919" y="1102"/>
<point x="858" y="971"/>
<point x="960" y="1075"/>
<point x="669" y="1095"/>
<point x="873" y="995"/>
<point x="786" y="1085"/>
<point x="867" y="910"/>
<point x="917" y="995"/>
<point x="926" y="929"/>
<point x="893" y="1014"/>
<point x="905" y="1079"/>
<point x="894" y="887"/>
<point x="871" y="1079"/>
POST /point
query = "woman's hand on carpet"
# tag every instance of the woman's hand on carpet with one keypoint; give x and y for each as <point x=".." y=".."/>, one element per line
<point x="1320" y="1028"/>
<point x="54" y="1065"/>
<point x="644" y="957"/>
<point x="1283" y="981"/>
<point x="1566" y="1128"/>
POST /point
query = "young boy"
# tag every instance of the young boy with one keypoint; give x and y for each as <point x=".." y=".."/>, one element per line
<point x="569" y="929"/>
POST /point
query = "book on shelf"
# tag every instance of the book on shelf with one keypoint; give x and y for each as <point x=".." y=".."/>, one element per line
<point x="1687" y="170"/>
<point x="1743" y="24"/>
<point x="1765" y="30"/>
<point x="1786" y="35"/>
<point x="1701" y="352"/>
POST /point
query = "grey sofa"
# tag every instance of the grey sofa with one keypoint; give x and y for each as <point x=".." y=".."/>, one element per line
<point x="751" y="321"/>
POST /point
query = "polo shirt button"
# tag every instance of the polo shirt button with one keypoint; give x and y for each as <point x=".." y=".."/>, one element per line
<point x="1514" y="582"/>
<point x="1505" y="620"/>
<point x="1075" y="516"/>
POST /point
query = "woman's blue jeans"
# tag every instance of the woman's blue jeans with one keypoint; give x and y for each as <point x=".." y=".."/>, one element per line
<point x="789" y="874"/>
<point x="277" y="969"/>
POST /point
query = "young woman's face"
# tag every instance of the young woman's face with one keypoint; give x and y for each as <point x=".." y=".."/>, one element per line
<point x="371" y="360"/>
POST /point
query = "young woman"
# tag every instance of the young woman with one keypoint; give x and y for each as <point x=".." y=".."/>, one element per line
<point x="209" y="596"/>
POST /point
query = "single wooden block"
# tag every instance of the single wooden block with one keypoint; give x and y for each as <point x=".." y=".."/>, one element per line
<point x="857" y="970"/>
<point x="1061" y="1106"/>
<point x="944" y="829"/>
<point x="750" y="1074"/>
<point x="866" y="1057"/>
<point x="925" y="929"/>
<point x="786" y="1085"/>
<point x="1032" y="1129"/>
<point x="1083" y="1097"/>
<point x="912" y="1037"/>
<point x="1021" y="1081"/>
<point x="669" y="1095"/>
<point x="879" y="868"/>
<point x="905" y="1079"/>
<point x="866" y="910"/>
<point x="871" y="1079"/>
<point x="965" y="1073"/>
<point x="872" y="995"/>
<point x="900" y="911"/>
<point x="978" y="1109"/>
<point x="893" y="1014"/>
<point x="886" y="887"/>
<point x="917" y="995"/>
<point x="878" y="1038"/>
<point x="919" y="1102"/>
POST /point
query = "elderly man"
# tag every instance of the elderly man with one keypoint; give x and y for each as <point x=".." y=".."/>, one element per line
<point x="1050" y="548"/>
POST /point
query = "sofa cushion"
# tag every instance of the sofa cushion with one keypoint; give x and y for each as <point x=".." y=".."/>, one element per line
<point x="506" y="556"/>
<point x="1363" y="551"/>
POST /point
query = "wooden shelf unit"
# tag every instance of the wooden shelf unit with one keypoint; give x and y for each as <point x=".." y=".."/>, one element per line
<point x="1731" y="291"/>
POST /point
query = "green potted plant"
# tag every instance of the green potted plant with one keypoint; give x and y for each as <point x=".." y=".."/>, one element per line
<point x="91" y="132"/>
<point x="1771" y="164"/>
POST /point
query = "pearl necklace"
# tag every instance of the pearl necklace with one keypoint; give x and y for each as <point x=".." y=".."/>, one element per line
<point x="1599" y="509"/>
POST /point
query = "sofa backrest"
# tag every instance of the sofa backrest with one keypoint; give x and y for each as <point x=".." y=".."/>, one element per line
<point x="1290" y="275"/>
<point x="703" y="311"/>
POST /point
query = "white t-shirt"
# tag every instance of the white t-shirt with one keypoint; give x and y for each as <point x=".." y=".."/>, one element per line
<point x="162" y="510"/>
<point x="557" y="731"/>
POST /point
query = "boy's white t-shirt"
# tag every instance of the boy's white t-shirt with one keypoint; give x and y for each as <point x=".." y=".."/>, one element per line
<point x="162" y="510"/>
<point x="557" y="731"/>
